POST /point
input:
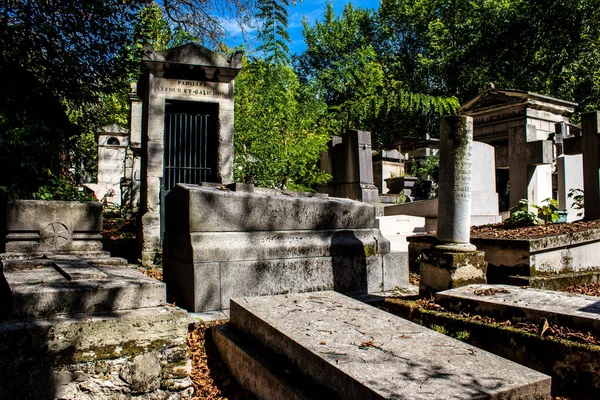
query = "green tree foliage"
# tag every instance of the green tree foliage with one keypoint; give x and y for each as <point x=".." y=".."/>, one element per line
<point x="394" y="69"/>
<point x="358" y="81"/>
<point x="57" y="58"/>
<point x="280" y="128"/>
<point x="273" y="33"/>
<point x="457" y="48"/>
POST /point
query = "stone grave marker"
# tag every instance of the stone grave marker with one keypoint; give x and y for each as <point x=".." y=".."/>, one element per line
<point x="349" y="161"/>
<point x="453" y="261"/>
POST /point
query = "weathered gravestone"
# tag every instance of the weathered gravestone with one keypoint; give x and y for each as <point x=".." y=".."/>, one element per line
<point x="588" y="144"/>
<point x="349" y="161"/>
<point x="453" y="261"/>
<point x="113" y="142"/>
<point x="187" y="128"/>
<point x="327" y="346"/>
<point x="74" y="320"/>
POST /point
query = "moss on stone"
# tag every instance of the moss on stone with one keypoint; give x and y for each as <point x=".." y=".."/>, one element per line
<point x="370" y="250"/>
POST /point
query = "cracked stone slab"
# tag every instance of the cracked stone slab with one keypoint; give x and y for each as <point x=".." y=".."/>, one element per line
<point x="504" y="301"/>
<point x="361" y="352"/>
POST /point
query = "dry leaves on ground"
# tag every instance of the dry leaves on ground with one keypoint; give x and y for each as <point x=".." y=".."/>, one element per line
<point x="500" y="231"/>
<point x="590" y="289"/>
<point x="212" y="380"/>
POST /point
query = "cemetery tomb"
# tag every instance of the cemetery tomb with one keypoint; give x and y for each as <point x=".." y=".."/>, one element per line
<point x="224" y="242"/>
<point x="74" y="320"/>
<point x="515" y="303"/>
<point x="349" y="161"/>
<point x="519" y="125"/>
<point x="186" y="135"/>
<point x="359" y="352"/>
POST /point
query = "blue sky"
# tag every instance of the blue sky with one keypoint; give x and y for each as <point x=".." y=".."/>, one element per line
<point x="312" y="9"/>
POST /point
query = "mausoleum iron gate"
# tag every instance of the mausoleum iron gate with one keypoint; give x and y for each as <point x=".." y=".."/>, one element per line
<point x="189" y="145"/>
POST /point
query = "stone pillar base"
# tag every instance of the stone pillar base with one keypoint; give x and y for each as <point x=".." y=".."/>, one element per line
<point x="443" y="267"/>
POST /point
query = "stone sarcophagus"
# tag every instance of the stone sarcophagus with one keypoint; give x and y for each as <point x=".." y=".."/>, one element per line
<point x="221" y="243"/>
<point x="52" y="227"/>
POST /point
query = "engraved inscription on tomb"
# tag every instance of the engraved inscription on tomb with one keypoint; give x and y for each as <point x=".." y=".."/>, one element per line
<point x="182" y="87"/>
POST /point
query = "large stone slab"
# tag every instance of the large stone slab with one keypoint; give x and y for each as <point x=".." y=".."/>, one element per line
<point x="509" y="302"/>
<point x="360" y="352"/>
<point x="205" y="209"/>
<point x="46" y="287"/>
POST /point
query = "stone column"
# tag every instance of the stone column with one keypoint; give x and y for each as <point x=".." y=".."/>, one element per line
<point x="590" y="124"/>
<point x="454" y="204"/>
<point x="453" y="261"/>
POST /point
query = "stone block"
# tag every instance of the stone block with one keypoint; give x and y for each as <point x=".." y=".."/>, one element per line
<point x="264" y="245"/>
<point x="36" y="226"/>
<point x="73" y="356"/>
<point x="441" y="269"/>
<point x="508" y="302"/>
<point x="395" y="270"/>
<point x="360" y="352"/>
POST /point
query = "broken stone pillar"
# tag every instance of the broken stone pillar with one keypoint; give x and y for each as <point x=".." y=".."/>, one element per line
<point x="530" y="165"/>
<point x="591" y="164"/>
<point x="453" y="261"/>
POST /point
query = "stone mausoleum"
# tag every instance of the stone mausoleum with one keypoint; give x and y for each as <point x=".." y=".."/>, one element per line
<point x="186" y="128"/>
<point x="521" y="126"/>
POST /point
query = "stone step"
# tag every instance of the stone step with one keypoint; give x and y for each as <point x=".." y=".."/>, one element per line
<point x="360" y="352"/>
<point x="72" y="286"/>
<point x="519" y="303"/>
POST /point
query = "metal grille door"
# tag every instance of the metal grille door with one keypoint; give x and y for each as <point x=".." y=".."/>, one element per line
<point x="188" y="156"/>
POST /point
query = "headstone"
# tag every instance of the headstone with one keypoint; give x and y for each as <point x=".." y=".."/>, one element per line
<point x="454" y="261"/>
<point x="590" y="124"/>
<point x="530" y="165"/>
<point x="484" y="203"/>
<point x="113" y="142"/>
<point x="349" y="161"/>
<point x="187" y="131"/>
<point x="570" y="176"/>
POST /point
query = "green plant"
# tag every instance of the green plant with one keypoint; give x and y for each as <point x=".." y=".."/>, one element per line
<point x="463" y="335"/>
<point x="439" y="329"/>
<point x="578" y="200"/>
<point x="521" y="215"/>
<point x="64" y="189"/>
<point x="549" y="211"/>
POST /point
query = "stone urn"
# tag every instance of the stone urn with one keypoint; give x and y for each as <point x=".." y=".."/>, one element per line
<point x="397" y="184"/>
<point x="52" y="227"/>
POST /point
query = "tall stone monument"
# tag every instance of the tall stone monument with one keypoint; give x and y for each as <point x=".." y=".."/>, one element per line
<point x="186" y="130"/>
<point x="349" y="161"/>
<point x="453" y="261"/>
